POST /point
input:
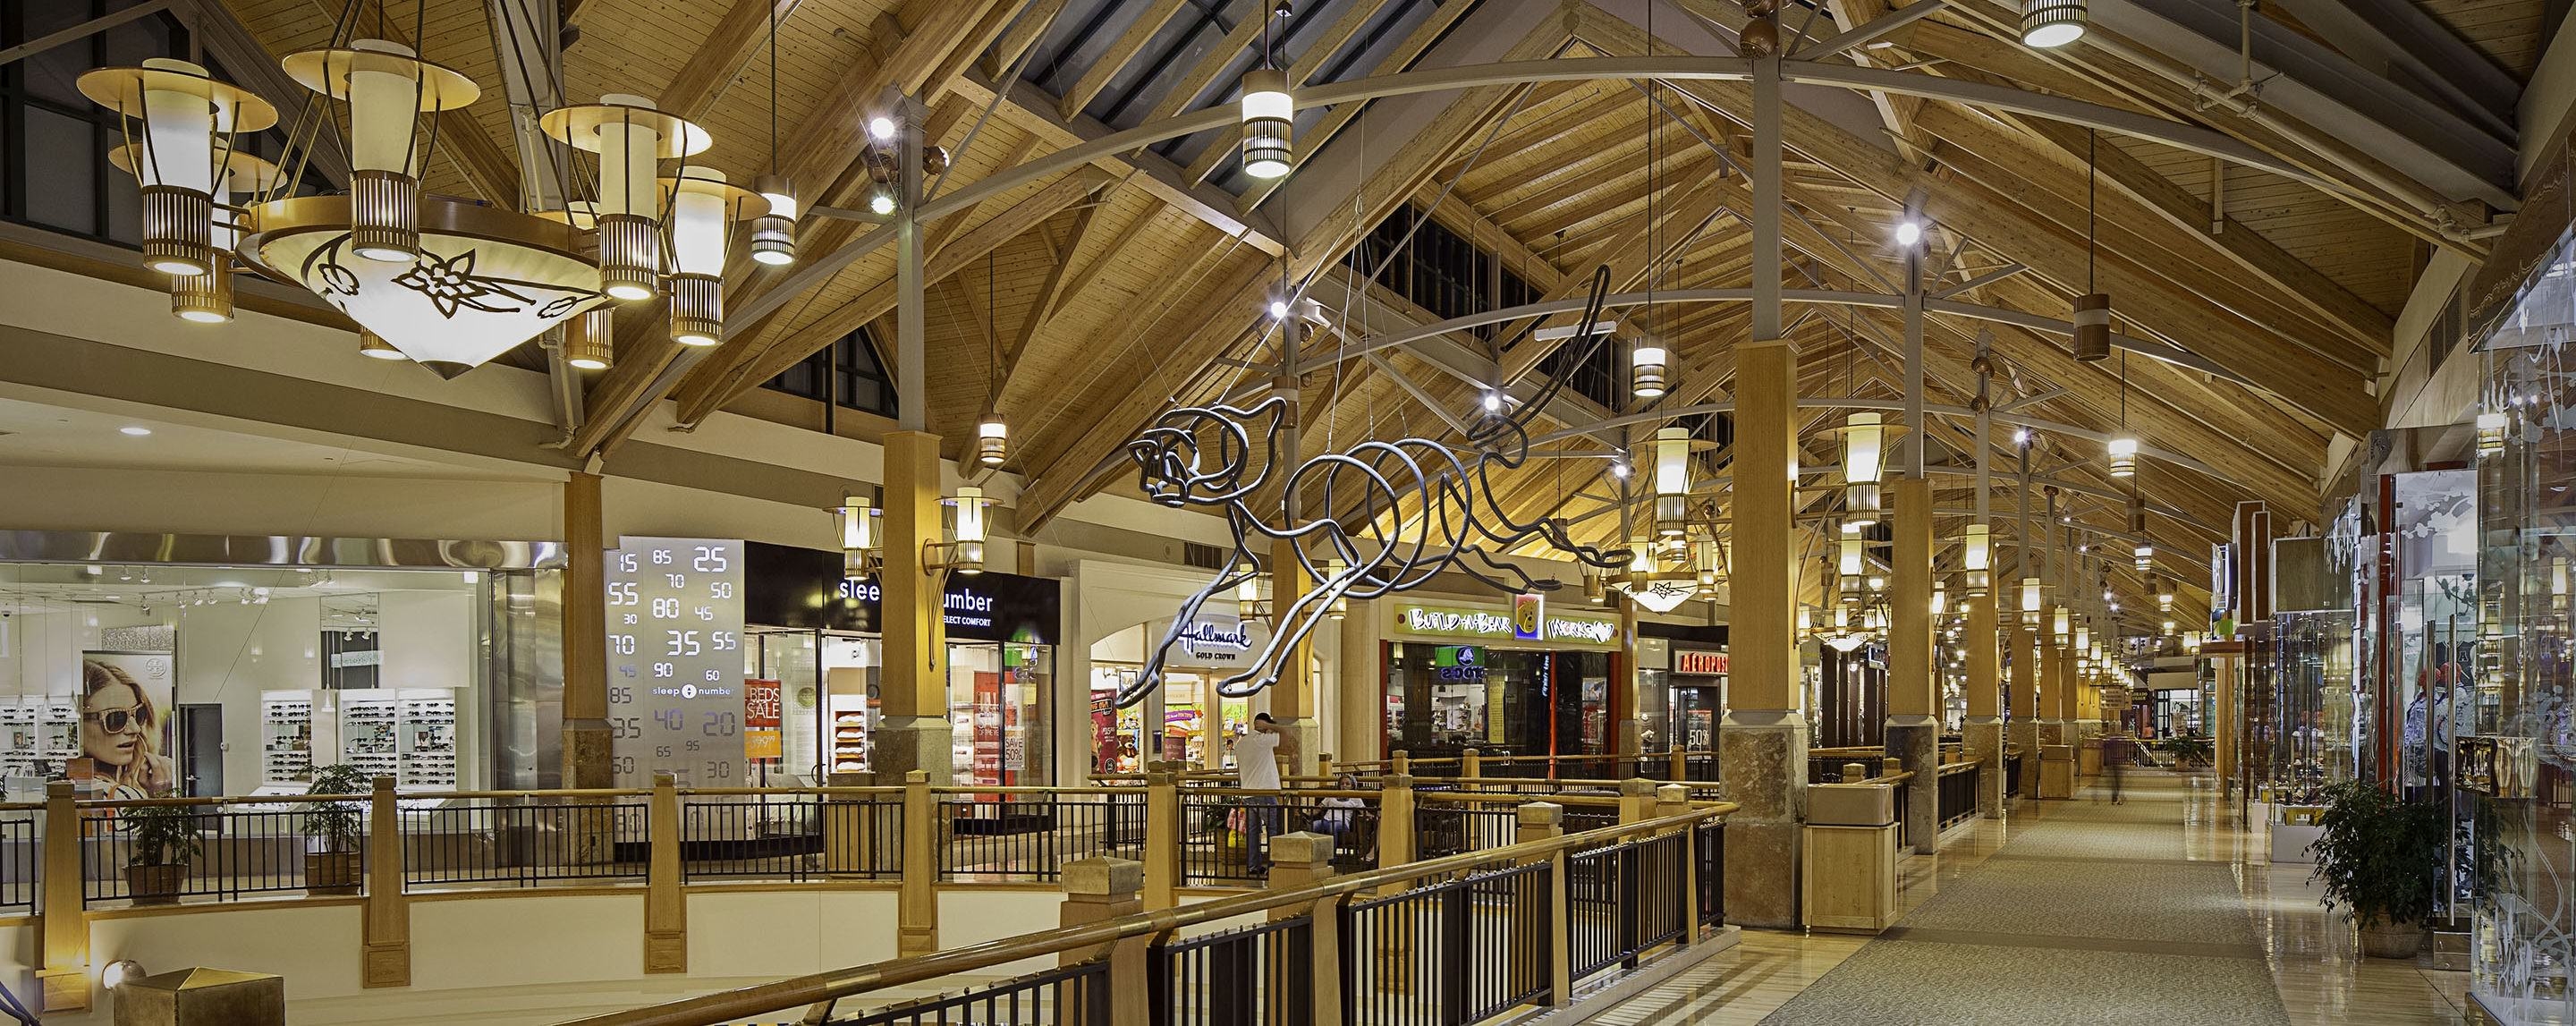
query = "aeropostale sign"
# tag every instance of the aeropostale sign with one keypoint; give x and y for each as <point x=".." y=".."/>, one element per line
<point x="1700" y="662"/>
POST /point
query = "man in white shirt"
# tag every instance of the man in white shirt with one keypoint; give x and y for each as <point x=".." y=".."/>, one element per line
<point x="1256" y="768"/>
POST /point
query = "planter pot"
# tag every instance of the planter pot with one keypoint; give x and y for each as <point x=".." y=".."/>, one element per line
<point x="2392" y="940"/>
<point x="331" y="872"/>
<point x="156" y="885"/>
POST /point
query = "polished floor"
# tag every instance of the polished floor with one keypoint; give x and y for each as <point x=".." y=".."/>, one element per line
<point x="2151" y="911"/>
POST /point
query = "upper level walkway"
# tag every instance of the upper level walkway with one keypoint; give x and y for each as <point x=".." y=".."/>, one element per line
<point x="2152" y="911"/>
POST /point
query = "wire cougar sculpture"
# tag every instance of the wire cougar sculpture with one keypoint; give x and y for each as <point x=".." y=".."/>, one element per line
<point x="1201" y="456"/>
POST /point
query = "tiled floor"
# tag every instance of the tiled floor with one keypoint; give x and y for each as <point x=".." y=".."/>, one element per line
<point x="2150" y="912"/>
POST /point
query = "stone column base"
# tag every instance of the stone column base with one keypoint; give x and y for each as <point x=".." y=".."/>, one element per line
<point x="1982" y="737"/>
<point x="1299" y="742"/>
<point x="1917" y="740"/>
<point x="907" y="743"/>
<point x="1762" y="756"/>
<point x="2024" y="734"/>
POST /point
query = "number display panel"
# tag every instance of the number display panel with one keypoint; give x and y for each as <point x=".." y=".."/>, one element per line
<point x="675" y="701"/>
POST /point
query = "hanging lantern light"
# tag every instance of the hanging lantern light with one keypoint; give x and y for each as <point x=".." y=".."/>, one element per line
<point x="590" y="340"/>
<point x="704" y="210"/>
<point x="2062" y="627"/>
<point x="1267" y="114"/>
<point x="773" y="233"/>
<point x="2124" y="456"/>
<point x="2191" y="641"/>
<point x="629" y="135"/>
<point x="1864" y="437"/>
<point x="374" y="346"/>
<point x="2030" y="603"/>
<point x="2093" y="327"/>
<point x="2052" y="23"/>
<point x="1976" y="554"/>
<point x="181" y="124"/>
<point x="862" y="544"/>
<point x="1672" y="480"/>
<point x="2143" y="556"/>
<point x="992" y="439"/>
<point x="2083" y="637"/>
<point x="1646" y="364"/>
<point x="205" y="298"/>
<point x="388" y="89"/>
<point x="1252" y="596"/>
<point x="1341" y="604"/>
<point x="1711" y="555"/>
<point x="2491" y="431"/>
<point x="1850" y="564"/>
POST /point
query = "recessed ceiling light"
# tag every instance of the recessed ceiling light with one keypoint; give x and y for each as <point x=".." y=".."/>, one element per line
<point x="137" y="430"/>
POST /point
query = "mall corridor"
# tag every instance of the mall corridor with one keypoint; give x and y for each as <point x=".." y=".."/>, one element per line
<point x="2150" y="911"/>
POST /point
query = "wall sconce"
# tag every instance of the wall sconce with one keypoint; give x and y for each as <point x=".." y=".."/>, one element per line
<point x="1977" y="555"/>
<point x="1940" y="598"/>
<point x="862" y="537"/>
<point x="963" y="552"/>
<point x="2083" y="637"/>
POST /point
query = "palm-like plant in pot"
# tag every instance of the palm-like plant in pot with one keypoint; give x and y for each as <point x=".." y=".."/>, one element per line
<point x="2380" y="858"/>
<point x="334" y="830"/>
<point x="161" y="842"/>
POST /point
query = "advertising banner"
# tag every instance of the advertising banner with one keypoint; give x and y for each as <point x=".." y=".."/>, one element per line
<point x="761" y="706"/>
<point x="128" y="729"/>
<point x="675" y="701"/>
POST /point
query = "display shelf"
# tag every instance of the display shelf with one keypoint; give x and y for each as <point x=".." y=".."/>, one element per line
<point x="286" y="737"/>
<point x="849" y="734"/>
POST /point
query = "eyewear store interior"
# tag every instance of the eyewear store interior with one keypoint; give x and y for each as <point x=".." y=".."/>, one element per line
<point x="1523" y="679"/>
<point x="136" y="679"/>
<point x="811" y="639"/>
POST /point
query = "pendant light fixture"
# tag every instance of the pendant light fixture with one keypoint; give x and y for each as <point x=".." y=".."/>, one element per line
<point x="2164" y="595"/>
<point x="180" y="126"/>
<point x="2124" y="446"/>
<point x="2052" y="23"/>
<point x="630" y="135"/>
<point x="2093" y="308"/>
<point x="590" y="340"/>
<point x="1672" y="480"/>
<point x="773" y="233"/>
<point x="1849" y="568"/>
<point x="992" y="433"/>
<point x="2143" y="554"/>
<point x="1864" y="449"/>
<point x="1267" y="109"/>
<point x="391" y="94"/>
<point x="704" y="210"/>
<point x="1976" y="555"/>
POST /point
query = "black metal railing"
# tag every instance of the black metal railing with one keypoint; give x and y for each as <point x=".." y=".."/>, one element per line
<point x="1031" y="837"/>
<point x="241" y="850"/>
<point x="1074" y="995"/>
<point x="791" y="837"/>
<point x="1252" y="976"/>
<point x="1225" y="833"/>
<point x="1597" y="933"/>
<point x="1710" y="847"/>
<point x="1659" y="900"/>
<point x="1458" y="951"/>
<point x="2012" y="773"/>
<point x="1444" y="828"/>
<point x="515" y="841"/>
<point x="1957" y="791"/>
<point x="20" y="857"/>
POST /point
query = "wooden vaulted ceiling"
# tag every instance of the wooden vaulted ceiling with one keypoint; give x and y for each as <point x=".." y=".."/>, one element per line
<point x="1110" y="291"/>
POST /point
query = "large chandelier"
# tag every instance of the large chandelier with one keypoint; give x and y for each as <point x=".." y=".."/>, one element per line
<point x="1648" y="583"/>
<point x="448" y="283"/>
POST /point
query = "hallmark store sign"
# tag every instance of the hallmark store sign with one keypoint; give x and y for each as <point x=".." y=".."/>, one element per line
<point x="1213" y="642"/>
<point x="1498" y="625"/>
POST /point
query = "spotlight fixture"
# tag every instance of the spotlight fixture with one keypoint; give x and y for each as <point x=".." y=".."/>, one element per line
<point x="120" y="972"/>
<point x="881" y="128"/>
<point x="881" y="200"/>
<point x="134" y="430"/>
<point x="1909" y="232"/>
<point x="1493" y="401"/>
<point x="1619" y="467"/>
<point x="1278" y="309"/>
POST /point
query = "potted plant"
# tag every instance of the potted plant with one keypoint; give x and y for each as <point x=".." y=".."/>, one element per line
<point x="163" y="842"/>
<point x="334" y="831"/>
<point x="2380" y="858"/>
<point x="2189" y="750"/>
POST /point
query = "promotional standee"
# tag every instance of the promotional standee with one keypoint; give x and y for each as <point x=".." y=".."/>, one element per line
<point x="675" y="680"/>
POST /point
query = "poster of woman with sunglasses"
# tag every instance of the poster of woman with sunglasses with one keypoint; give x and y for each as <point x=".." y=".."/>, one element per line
<point x="124" y="726"/>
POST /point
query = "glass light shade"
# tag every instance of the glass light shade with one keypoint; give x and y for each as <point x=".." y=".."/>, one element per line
<point x="383" y="103"/>
<point x="969" y="504"/>
<point x="1806" y="619"/>
<point x="2083" y="637"/>
<point x="2491" y="432"/>
<point x="2030" y="601"/>
<point x="2052" y="23"/>
<point x="2164" y="600"/>
<point x="181" y="122"/>
<point x="628" y="148"/>
<point x="1646" y="371"/>
<point x="1864" y="438"/>
<point x="1267" y="112"/>
<point x="992" y="439"/>
<point x="698" y="220"/>
<point x="2124" y="456"/>
<point x="1672" y="480"/>
<point x="1850" y="563"/>
<point x="773" y="234"/>
<point x="178" y="130"/>
<point x="861" y="525"/>
<point x="2061" y="627"/>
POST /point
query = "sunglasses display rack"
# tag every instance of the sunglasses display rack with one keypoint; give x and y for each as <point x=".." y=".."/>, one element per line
<point x="38" y="734"/>
<point x="286" y="736"/>
<point x="370" y="732"/>
<point x="428" y="739"/>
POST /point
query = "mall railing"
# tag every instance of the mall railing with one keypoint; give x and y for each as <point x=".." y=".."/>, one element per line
<point x="1456" y="940"/>
<point x="1671" y="766"/>
<point x="20" y="855"/>
<point x="1956" y="791"/>
<point x="2012" y="771"/>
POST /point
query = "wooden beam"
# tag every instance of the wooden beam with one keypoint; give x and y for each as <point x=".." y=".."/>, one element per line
<point x="737" y="35"/>
<point x="1111" y="61"/>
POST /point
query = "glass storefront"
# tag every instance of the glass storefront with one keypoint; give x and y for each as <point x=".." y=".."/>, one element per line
<point x="2518" y="752"/>
<point x="136" y="679"/>
<point x="1504" y="680"/>
<point x="811" y="636"/>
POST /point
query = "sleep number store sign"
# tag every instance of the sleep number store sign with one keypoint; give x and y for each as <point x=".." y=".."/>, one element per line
<point x="675" y="681"/>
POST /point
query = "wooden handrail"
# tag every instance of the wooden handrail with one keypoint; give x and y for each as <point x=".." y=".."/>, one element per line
<point x="831" y="985"/>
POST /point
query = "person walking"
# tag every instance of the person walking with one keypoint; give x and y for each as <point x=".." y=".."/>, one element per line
<point x="2115" y="757"/>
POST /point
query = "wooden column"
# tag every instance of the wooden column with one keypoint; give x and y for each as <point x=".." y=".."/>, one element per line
<point x="666" y="907"/>
<point x="1097" y="889"/>
<point x="1913" y="728"/>
<point x="2027" y="669"/>
<point x="1163" y="836"/>
<point x="1982" y="734"/>
<point x="387" y="919"/>
<point x="917" y="904"/>
<point x="1292" y="700"/>
<point x="64" y="977"/>
<point x="1762" y="745"/>
<point x="915" y="734"/>
<point x="586" y="734"/>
